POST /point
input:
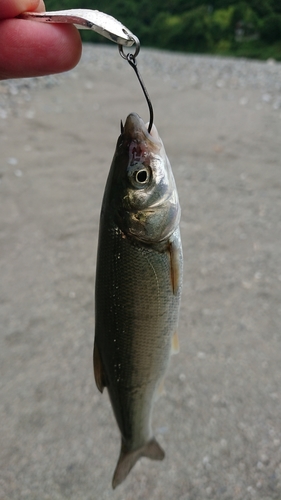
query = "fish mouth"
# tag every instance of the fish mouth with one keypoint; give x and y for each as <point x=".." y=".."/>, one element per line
<point x="136" y="130"/>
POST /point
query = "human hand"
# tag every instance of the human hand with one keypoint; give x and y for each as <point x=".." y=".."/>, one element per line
<point x="29" y="48"/>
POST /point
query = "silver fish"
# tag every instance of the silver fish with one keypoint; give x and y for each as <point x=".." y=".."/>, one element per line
<point x="138" y="287"/>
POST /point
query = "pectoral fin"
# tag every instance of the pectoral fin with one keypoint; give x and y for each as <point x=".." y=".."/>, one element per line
<point x="99" y="372"/>
<point x="174" y="250"/>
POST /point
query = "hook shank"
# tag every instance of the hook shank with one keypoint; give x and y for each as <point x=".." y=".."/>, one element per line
<point x="131" y="58"/>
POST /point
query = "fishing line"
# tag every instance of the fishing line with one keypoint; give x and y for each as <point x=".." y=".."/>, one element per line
<point x="131" y="58"/>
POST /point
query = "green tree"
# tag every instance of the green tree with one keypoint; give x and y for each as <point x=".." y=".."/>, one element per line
<point x="221" y="24"/>
<point x="271" y="28"/>
<point x="189" y="31"/>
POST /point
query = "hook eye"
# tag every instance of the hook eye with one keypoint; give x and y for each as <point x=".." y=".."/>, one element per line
<point x="137" y="49"/>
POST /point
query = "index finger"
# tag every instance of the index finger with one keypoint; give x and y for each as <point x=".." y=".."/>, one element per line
<point x="12" y="8"/>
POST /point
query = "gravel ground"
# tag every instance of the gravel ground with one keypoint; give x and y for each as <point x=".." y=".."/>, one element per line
<point x="219" y="422"/>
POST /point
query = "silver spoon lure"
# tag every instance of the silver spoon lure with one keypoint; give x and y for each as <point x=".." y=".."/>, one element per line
<point x="103" y="24"/>
<point x="95" y="20"/>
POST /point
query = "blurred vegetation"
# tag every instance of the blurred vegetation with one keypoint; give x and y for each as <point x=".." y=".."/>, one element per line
<point x="249" y="29"/>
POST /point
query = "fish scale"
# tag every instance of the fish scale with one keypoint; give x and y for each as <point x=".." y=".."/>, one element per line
<point x="147" y="310"/>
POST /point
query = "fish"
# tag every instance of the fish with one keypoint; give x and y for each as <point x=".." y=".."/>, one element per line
<point x="138" y="287"/>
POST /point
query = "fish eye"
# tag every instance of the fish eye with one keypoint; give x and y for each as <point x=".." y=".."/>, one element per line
<point x="141" y="176"/>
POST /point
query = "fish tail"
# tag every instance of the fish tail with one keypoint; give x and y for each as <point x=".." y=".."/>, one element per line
<point x="128" y="459"/>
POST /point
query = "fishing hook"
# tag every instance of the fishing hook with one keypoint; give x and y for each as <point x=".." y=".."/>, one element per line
<point x="131" y="58"/>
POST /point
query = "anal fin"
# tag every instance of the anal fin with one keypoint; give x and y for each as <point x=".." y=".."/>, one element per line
<point x="160" y="391"/>
<point x="99" y="372"/>
<point x="175" y="348"/>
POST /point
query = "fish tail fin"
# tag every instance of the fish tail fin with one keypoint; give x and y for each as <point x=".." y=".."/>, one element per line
<point x="128" y="459"/>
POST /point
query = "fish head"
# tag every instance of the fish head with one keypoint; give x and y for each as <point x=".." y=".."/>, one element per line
<point x="146" y="200"/>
